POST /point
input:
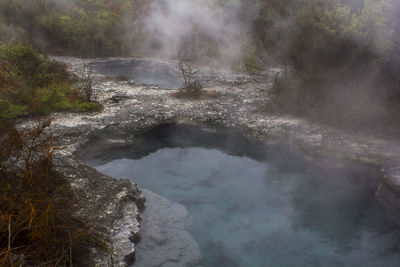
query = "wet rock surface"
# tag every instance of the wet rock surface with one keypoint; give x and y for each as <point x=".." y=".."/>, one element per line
<point x="114" y="203"/>
<point x="165" y="240"/>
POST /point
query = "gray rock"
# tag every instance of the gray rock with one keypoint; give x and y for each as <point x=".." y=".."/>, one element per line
<point x="111" y="206"/>
<point x="165" y="239"/>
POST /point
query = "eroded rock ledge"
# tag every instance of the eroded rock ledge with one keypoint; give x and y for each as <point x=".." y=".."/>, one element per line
<point x="115" y="204"/>
<point x="112" y="206"/>
<point x="165" y="239"/>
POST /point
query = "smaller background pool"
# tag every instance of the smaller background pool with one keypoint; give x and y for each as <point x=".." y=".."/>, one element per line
<point x="141" y="71"/>
<point x="255" y="205"/>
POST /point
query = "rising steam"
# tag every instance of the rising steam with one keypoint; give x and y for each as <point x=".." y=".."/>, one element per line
<point x="197" y="28"/>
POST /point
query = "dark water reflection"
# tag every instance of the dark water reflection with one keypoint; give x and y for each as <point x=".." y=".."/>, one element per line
<point x="259" y="206"/>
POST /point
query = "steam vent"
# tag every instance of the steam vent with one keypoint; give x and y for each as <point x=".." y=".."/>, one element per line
<point x="201" y="133"/>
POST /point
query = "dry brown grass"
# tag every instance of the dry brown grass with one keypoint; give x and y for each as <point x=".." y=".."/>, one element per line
<point x="37" y="222"/>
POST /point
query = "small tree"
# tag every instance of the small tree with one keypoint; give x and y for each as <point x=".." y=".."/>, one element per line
<point x="87" y="83"/>
<point x="188" y="72"/>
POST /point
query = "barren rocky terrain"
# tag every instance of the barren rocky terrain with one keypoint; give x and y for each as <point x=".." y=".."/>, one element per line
<point x="129" y="109"/>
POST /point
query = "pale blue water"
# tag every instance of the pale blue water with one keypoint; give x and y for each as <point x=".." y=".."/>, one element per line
<point x="267" y="212"/>
<point x="141" y="71"/>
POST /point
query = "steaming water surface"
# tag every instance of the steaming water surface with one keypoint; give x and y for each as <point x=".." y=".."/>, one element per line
<point x="160" y="73"/>
<point x="279" y="211"/>
<point x="141" y="71"/>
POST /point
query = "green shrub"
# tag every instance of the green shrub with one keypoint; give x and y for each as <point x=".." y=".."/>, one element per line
<point x="31" y="84"/>
<point x="25" y="63"/>
<point x="11" y="112"/>
<point x="55" y="96"/>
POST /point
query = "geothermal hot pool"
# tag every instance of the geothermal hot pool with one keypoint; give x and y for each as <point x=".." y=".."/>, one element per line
<point x="256" y="205"/>
<point x="142" y="71"/>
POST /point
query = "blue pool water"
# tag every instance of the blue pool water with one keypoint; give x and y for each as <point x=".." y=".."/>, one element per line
<point x="278" y="209"/>
<point x="141" y="71"/>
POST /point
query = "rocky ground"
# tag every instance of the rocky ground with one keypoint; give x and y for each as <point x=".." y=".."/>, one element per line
<point x="115" y="204"/>
<point x="165" y="239"/>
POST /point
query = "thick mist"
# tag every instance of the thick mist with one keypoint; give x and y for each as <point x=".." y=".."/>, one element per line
<point x="198" y="29"/>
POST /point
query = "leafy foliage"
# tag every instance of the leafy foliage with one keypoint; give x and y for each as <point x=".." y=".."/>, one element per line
<point x="82" y="27"/>
<point x="31" y="84"/>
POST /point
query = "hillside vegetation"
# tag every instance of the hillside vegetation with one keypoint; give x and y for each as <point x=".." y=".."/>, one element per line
<point x="341" y="56"/>
<point x="344" y="55"/>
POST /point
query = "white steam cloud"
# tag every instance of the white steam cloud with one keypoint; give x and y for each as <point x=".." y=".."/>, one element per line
<point x="197" y="28"/>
